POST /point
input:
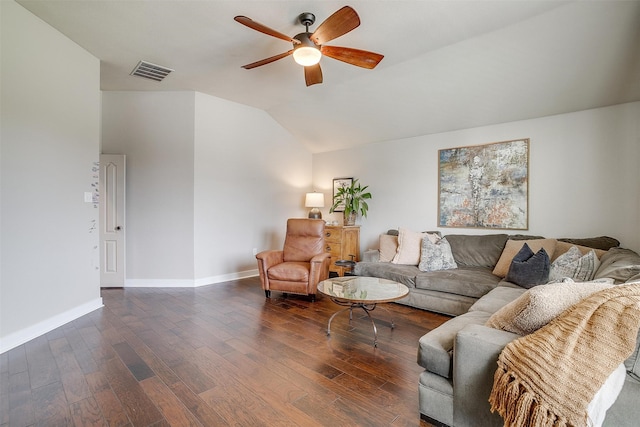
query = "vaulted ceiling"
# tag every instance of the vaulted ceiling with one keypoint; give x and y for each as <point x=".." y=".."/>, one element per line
<point x="447" y="64"/>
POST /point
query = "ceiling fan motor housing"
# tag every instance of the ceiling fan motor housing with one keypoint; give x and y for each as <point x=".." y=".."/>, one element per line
<point x="305" y="40"/>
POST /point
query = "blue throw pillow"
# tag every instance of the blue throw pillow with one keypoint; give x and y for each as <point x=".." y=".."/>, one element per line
<point x="528" y="269"/>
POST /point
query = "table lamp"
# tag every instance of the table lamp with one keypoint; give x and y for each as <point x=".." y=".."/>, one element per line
<point x="314" y="200"/>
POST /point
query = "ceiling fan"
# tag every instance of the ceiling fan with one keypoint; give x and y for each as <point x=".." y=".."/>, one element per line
<point x="308" y="47"/>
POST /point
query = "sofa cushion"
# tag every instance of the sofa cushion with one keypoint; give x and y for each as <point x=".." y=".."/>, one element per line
<point x="477" y="251"/>
<point x="405" y="274"/>
<point x="435" y="348"/>
<point x="497" y="298"/>
<point x="528" y="269"/>
<point x="512" y="247"/>
<point x="633" y="362"/>
<point x="436" y="256"/>
<point x="619" y="264"/>
<point x="469" y="281"/>
<point x="603" y="242"/>
<point x="541" y="304"/>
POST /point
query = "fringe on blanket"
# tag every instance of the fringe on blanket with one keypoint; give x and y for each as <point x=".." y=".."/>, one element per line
<point x="518" y="406"/>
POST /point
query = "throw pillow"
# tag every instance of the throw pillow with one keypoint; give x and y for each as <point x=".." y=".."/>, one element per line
<point x="565" y="264"/>
<point x="574" y="265"/>
<point x="563" y="247"/>
<point x="436" y="256"/>
<point x="513" y="247"/>
<point x="388" y="247"/>
<point x="541" y="304"/>
<point x="528" y="269"/>
<point x="409" y="243"/>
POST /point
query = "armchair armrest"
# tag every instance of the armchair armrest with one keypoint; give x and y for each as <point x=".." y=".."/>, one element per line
<point x="319" y="270"/>
<point x="475" y="357"/>
<point x="267" y="259"/>
<point x="320" y="257"/>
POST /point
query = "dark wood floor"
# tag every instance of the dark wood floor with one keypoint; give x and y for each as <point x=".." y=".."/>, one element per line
<point x="217" y="355"/>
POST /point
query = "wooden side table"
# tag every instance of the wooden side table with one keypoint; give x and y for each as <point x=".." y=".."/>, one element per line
<point x="343" y="243"/>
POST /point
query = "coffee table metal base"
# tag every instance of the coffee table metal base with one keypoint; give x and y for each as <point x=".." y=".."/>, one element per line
<point x="350" y="306"/>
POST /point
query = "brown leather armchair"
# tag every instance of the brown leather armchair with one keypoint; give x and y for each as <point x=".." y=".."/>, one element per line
<point x="301" y="264"/>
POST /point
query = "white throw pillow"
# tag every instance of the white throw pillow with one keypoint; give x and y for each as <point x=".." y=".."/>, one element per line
<point x="409" y="244"/>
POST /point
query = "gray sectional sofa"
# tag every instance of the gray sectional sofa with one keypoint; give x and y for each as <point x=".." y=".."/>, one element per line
<point x="449" y="292"/>
<point x="460" y="356"/>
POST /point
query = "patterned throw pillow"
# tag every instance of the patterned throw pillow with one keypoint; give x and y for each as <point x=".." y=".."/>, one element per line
<point x="528" y="269"/>
<point x="574" y="265"/>
<point x="436" y="256"/>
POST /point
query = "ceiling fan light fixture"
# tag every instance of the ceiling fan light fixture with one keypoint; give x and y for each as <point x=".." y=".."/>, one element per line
<point x="306" y="52"/>
<point x="306" y="56"/>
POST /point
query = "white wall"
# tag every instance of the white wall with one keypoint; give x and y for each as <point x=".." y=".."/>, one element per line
<point x="155" y="131"/>
<point x="50" y="113"/>
<point x="250" y="176"/>
<point x="584" y="175"/>
<point x="208" y="181"/>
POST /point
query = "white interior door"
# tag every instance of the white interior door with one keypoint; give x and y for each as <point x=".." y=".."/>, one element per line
<point x="112" y="224"/>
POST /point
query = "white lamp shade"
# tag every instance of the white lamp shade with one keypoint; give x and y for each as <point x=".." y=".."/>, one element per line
<point x="314" y="200"/>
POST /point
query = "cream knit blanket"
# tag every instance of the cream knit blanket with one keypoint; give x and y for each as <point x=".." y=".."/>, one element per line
<point x="549" y="377"/>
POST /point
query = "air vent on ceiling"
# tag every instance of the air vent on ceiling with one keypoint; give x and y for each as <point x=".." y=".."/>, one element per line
<point x="151" y="71"/>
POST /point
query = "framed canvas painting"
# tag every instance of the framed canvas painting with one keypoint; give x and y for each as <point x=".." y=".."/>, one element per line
<point x="484" y="186"/>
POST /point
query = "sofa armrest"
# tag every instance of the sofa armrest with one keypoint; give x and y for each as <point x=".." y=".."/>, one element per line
<point x="475" y="357"/>
<point x="371" y="255"/>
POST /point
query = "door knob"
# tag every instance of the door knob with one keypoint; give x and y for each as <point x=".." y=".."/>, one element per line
<point x="118" y="228"/>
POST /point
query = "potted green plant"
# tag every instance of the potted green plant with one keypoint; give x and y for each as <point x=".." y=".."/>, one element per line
<point x="353" y="199"/>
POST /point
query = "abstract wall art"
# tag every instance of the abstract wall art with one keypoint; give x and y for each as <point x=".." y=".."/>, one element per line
<point x="484" y="186"/>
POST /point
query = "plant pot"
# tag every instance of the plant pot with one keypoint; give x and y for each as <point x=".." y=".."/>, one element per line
<point x="351" y="218"/>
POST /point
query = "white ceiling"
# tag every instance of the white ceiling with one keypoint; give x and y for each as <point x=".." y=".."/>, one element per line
<point x="448" y="64"/>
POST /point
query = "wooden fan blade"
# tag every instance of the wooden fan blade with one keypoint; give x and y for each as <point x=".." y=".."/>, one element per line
<point x="267" y="60"/>
<point x="313" y="74"/>
<point x="264" y="29"/>
<point x="361" y="58"/>
<point x="338" y="24"/>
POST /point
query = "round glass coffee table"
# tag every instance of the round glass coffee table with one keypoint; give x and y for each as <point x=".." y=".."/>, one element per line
<point x="361" y="292"/>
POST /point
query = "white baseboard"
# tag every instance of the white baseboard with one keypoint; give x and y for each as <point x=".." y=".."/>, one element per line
<point x="188" y="283"/>
<point x="226" y="277"/>
<point x="158" y="283"/>
<point x="18" y="338"/>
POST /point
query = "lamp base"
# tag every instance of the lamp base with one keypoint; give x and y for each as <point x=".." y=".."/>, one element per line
<point x="315" y="213"/>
